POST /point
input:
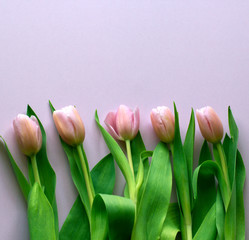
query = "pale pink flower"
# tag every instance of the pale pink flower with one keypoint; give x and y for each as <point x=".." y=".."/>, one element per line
<point x="163" y="122"/>
<point x="28" y="134"/>
<point x="123" y="124"/>
<point x="210" y="124"/>
<point x="69" y="125"/>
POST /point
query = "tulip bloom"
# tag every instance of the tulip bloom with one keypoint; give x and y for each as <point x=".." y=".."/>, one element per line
<point x="210" y="124"/>
<point x="28" y="134"/>
<point x="69" y="125"/>
<point x="123" y="124"/>
<point x="163" y="122"/>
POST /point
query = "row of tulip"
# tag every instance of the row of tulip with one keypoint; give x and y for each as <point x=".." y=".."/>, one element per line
<point x="204" y="209"/>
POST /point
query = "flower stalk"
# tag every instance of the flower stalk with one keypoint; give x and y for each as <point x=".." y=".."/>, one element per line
<point x="35" y="169"/>
<point x="129" y="156"/>
<point x="90" y="191"/>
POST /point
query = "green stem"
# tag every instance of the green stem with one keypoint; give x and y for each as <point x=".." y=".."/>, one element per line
<point x="189" y="232"/>
<point x="128" y="149"/>
<point x="223" y="164"/>
<point x="35" y="169"/>
<point x="86" y="175"/>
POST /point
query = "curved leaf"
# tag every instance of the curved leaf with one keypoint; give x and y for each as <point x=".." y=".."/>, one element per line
<point x="155" y="198"/>
<point x="112" y="217"/>
<point x="172" y="225"/>
<point x="240" y="210"/>
<point x="210" y="167"/>
<point x="205" y="191"/>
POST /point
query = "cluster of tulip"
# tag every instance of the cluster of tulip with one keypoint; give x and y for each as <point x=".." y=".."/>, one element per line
<point x="210" y="198"/>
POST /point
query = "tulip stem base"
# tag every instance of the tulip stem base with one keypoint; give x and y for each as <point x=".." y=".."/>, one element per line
<point x="86" y="175"/>
<point x="35" y="169"/>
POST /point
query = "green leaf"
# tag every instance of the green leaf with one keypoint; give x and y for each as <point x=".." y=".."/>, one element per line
<point x="118" y="155"/>
<point x="112" y="217"/>
<point x="22" y="181"/>
<point x="232" y="153"/>
<point x="180" y="168"/>
<point x="103" y="175"/>
<point x="46" y="172"/>
<point x="172" y="225"/>
<point x="76" y="225"/>
<point x="207" y="230"/>
<point x="230" y="217"/>
<point x="205" y="190"/>
<point x="240" y="210"/>
<point x="189" y="151"/>
<point x="205" y="153"/>
<point x="155" y="197"/>
<point x="220" y="216"/>
<point x="40" y="215"/>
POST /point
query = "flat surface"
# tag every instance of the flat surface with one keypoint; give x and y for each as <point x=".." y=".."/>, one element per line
<point x="97" y="55"/>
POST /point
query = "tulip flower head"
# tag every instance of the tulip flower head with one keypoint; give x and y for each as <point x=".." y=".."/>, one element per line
<point x="28" y="134"/>
<point x="123" y="124"/>
<point x="69" y="125"/>
<point x="163" y="122"/>
<point x="210" y="124"/>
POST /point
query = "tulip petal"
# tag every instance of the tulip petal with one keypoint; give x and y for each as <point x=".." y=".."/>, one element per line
<point x="136" y="122"/>
<point x="110" y="122"/>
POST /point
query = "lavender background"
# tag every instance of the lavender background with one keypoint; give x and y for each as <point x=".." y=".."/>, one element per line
<point x="99" y="54"/>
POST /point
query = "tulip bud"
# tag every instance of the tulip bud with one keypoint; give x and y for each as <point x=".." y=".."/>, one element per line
<point x="123" y="124"/>
<point x="210" y="124"/>
<point x="69" y="125"/>
<point x="28" y="134"/>
<point x="163" y="122"/>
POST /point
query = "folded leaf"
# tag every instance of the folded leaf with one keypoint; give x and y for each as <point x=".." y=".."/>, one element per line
<point x="40" y="215"/>
<point x="76" y="225"/>
<point x="207" y="230"/>
<point x="189" y="151"/>
<point x="112" y="218"/>
<point x="182" y="180"/>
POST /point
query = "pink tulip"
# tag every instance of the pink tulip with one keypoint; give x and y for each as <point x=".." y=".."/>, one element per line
<point x="210" y="124"/>
<point x="69" y="125"/>
<point x="123" y="124"/>
<point x="28" y="134"/>
<point x="163" y="122"/>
